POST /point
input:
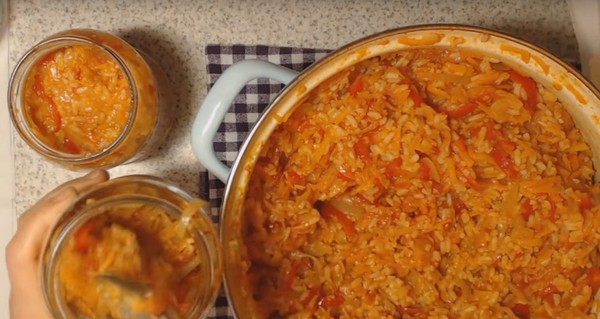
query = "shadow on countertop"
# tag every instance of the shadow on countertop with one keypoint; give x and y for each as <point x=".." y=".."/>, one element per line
<point x="166" y="49"/>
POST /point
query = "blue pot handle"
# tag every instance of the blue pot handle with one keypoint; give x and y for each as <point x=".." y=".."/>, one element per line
<point x="219" y="100"/>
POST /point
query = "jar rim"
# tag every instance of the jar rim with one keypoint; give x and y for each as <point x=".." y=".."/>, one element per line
<point x="21" y="73"/>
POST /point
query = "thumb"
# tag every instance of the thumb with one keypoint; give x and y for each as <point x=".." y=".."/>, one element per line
<point x="35" y="224"/>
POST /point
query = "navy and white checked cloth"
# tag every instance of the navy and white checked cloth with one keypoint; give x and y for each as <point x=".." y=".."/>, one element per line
<point x="244" y="112"/>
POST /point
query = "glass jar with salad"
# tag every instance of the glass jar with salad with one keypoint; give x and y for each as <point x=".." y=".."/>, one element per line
<point x="87" y="99"/>
<point x="133" y="247"/>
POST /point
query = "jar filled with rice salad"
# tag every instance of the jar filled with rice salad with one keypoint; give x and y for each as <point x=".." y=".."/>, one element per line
<point x="132" y="247"/>
<point x="87" y="99"/>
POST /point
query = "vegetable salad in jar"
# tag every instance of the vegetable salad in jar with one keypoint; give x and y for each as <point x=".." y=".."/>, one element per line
<point x="87" y="99"/>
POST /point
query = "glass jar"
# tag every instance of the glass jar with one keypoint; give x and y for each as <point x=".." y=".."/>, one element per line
<point x="87" y="99"/>
<point x="142" y="231"/>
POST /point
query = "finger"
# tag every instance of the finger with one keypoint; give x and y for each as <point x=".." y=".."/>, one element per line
<point x="80" y="184"/>
<point x="35" y="224"/>
<point x="26" y="244"/>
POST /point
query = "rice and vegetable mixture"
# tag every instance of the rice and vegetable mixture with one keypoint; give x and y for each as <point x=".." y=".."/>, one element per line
<point x="139" y="245"/>
<point x="430" y="183"/>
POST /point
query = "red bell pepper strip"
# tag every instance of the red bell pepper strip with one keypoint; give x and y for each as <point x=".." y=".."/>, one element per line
<point x="411" y="311"/>
<point x="461" y="144"/>
<point x="527" y="209"/>
<point x="425" y="172"/>
<point x="394" y="168"/>
<point x="547" y="291"/>
<point x="521" y="310"/>
<point x="84" y="238"/>
<point x="346" y="174"/>
<point x="362" y="148"/>
<point x="295" y="177"/>
<point x="302" y="124"/>
<point x="471" y="181"/>
<point x="335" y="300"/>
<point x="55" y="114"/>
<point x="553" y="213"/>
<point x="461" y="111"/>
<point x="47" y="59"/>
<point x="38" y="86"/>
<point x="530" y="88"/>
<point x="70" y="146"/>
<point x="329" y="210"/>
<point x="585" y="202"/>
<point x="593" y="278"/>
<point x="503" y="159"/>
<point x="288" y="279"/>
<point x="415" y="96"/>
<point x="357" y="85"/>
<point x="312" y="293"/>
<point x="458" y="205"/>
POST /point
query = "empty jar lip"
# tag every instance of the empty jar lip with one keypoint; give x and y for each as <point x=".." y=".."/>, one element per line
<point x="84" y="210"/>
<point x="21" y="73"/>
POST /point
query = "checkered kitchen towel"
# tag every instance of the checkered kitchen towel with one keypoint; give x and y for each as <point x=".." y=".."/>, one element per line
<point x="245" y="111"/>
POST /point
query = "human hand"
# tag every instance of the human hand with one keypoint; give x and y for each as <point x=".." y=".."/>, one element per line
<point x="23" y="252"/>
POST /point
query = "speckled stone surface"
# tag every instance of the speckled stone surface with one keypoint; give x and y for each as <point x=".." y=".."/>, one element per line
<point x="175" y="33"/>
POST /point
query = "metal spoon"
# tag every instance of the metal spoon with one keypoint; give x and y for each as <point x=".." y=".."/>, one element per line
<point x="131" y="286"/>
<point x="139" y="289"/>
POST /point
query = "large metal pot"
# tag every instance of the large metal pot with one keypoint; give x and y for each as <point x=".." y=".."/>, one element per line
<point x="580" y="97"/>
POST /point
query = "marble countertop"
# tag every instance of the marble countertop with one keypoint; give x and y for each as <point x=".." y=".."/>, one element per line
<point x="175" y="33"/>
